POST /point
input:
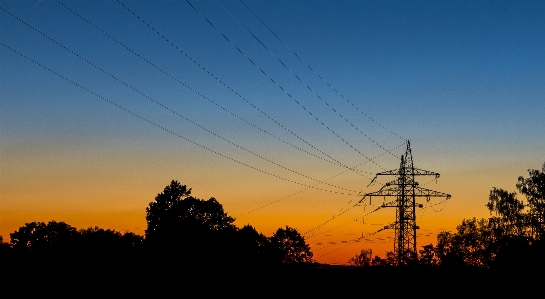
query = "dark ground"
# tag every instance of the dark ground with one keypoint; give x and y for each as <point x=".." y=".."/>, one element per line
<point x="62" y="277"/>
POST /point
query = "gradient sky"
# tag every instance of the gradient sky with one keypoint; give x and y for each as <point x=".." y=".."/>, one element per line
<point x="464" y="81"/>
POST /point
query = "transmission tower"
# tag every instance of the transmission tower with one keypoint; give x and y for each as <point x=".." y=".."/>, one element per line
<point x="405" y="190"/>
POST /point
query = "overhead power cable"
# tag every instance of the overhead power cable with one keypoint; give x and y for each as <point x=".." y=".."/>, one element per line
<point x="162" y="127"/>
<point x="300" y="191"/>
<point x="342" y="210"/>
<point x="280" y="87"/>
<point x="170" y="109"/>
<point x="194" y="91"/>
<point x="353" y="241"/>
<point x="338" y="226"/>
<point x="319" y="76"/>
<point x="302" y="82"/>
<point x="315" y="229"/>
<point x="324" y="245"/>
<point x="232" y="90"/>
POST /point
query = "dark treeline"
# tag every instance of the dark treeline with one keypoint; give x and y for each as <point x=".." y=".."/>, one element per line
<point x="512" y="237"/>
<point x="191" y="241"/>
<point x="182" y="231"/>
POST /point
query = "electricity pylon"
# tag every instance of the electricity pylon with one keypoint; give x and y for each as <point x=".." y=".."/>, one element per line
<point x="405" y="189"/>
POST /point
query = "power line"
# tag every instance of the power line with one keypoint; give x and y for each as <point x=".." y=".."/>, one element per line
<point x="302" y="82"/>
<point x="354" y="241"/>
<point x="231" y="89"/>
<point x="196" y="92"/>
<point x="162" y="127"/>
<point x="340" y="212"/>
<point x="327" y="244"/>
<point x="169" y="109"/>
<point x="441" y="209"/>
<point x="338" y="226"/>
<point x="360" y="239"/>
<point x="278" y="85"/>
<point x="318" y="75"/>
<point x="318" y="227"/>
<point x="300" y="191"/>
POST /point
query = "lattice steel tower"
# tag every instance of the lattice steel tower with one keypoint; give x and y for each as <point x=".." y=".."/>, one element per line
<point x="405" y="189"/>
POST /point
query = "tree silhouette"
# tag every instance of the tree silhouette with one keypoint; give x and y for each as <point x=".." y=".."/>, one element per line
<point x="101" y="242"/>
<point x="512" y="237"/>
<point x="5" y="248"/>
<point x="199" y="231"/>
<point x="390" y="260"/>
<point x="428" y="256"/>
<point x="161" y="214"/>
<point x="510" y="218"/>
<point x="41" y="237"/>
<point x="290" y="246"/>
<point x="175" y="211"/>
<point x="533" y="188"/>
<point x="251" y="249"/>
<point x="362" y="259"/>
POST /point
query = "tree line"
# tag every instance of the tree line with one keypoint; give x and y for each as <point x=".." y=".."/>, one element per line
<point x="181" y="230"/>
<point x="187" y="231"/>
<point x="512" y="237"/>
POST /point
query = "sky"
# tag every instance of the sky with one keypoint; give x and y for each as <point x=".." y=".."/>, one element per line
<point x="282" y="110"/>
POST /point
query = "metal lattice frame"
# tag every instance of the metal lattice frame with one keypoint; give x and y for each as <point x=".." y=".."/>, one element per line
<point x="405" y="189"/>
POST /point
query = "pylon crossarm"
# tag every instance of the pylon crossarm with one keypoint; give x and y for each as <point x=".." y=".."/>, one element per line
<point x="413" y="171"/>
<point x="390" y="226"/>
<point x="418" y="171"/>
<point x="423" y="192"/>
<point x="382" y="192"/>
<point x="391" y="204"/>
<point x="388" y="172"/>
<point x="376" y="176"/>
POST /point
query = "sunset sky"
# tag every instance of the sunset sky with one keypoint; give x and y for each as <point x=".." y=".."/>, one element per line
<point x="281" y="110"/>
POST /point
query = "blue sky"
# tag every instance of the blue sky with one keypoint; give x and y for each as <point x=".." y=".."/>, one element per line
<point x="463" y="80"/>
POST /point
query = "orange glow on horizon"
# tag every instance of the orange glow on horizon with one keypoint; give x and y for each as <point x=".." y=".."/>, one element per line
<point x="109" y="202"/>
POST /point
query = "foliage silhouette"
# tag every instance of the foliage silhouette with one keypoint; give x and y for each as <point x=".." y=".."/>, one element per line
<point x="191" y="231"/>
<point x="390" y="260"/>
<point x="63" y="240"/>
<point x="176" y="213"/>
<point x="102" y="242"/>
<point x="510" y="238"/>
<point x="198" y="231"/>
<point x="252" y="249"/>
<point x="469" y="246"/>
<point x="5" y="248"/>
<point x="41" y="237"/>
<point x="290" y="246"/>
<point x="533" y="188"/>
<point x="362" y="259"/>
<point x="202" y="234"/>
<point x="427" y="256"/>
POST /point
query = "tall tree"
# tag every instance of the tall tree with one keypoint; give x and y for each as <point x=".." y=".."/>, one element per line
<point x="175" y="211"/>
<point x="161" y="214"/>
<point x="470" y="245"/>
<point x="178" y="222"/>
<point x="533" y="188"/>
<point x="513" y="236"/>
<point x="291" y="247"/>
<point x="509" y="210"/>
